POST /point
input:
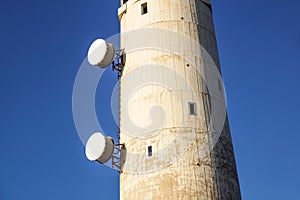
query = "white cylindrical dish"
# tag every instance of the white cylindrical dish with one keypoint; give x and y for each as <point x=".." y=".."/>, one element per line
<point x="101" y="53"/>
<point x="99" y="148"/>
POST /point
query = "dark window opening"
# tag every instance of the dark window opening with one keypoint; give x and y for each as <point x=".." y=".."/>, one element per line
<point x="193" y="108"/>
<point x="144" y="8"/>
<point x="208" y="5"/>
<point x="124" y="1"/>
<point x="149" y="151"/>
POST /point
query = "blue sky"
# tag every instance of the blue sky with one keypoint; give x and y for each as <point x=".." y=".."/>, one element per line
<point x="42" y="45"/>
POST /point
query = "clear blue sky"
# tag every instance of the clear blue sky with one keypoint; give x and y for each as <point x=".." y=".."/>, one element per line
<point x="42" y="45"/>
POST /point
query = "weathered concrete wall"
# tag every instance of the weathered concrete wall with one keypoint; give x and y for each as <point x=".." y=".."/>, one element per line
<point x="223" y="156"/>
<point x="169" y="74"/>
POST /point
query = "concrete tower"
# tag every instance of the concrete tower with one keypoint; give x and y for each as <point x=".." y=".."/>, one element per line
<point x="165" y="104"/>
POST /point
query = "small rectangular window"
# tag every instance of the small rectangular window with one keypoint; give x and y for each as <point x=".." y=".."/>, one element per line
<point x="144" y="8"/>
<point x="149" y="149"/>
<point x="193" y="108"/>
<point x="124" y="1"/>
<point x="220" y="85"/>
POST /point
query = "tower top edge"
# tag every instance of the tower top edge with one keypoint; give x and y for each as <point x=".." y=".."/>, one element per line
<point x="125" y="1"/>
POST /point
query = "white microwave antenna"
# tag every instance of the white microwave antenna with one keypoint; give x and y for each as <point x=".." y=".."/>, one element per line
<point x="102" y="149"/>
<point x="103" y="54"/>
